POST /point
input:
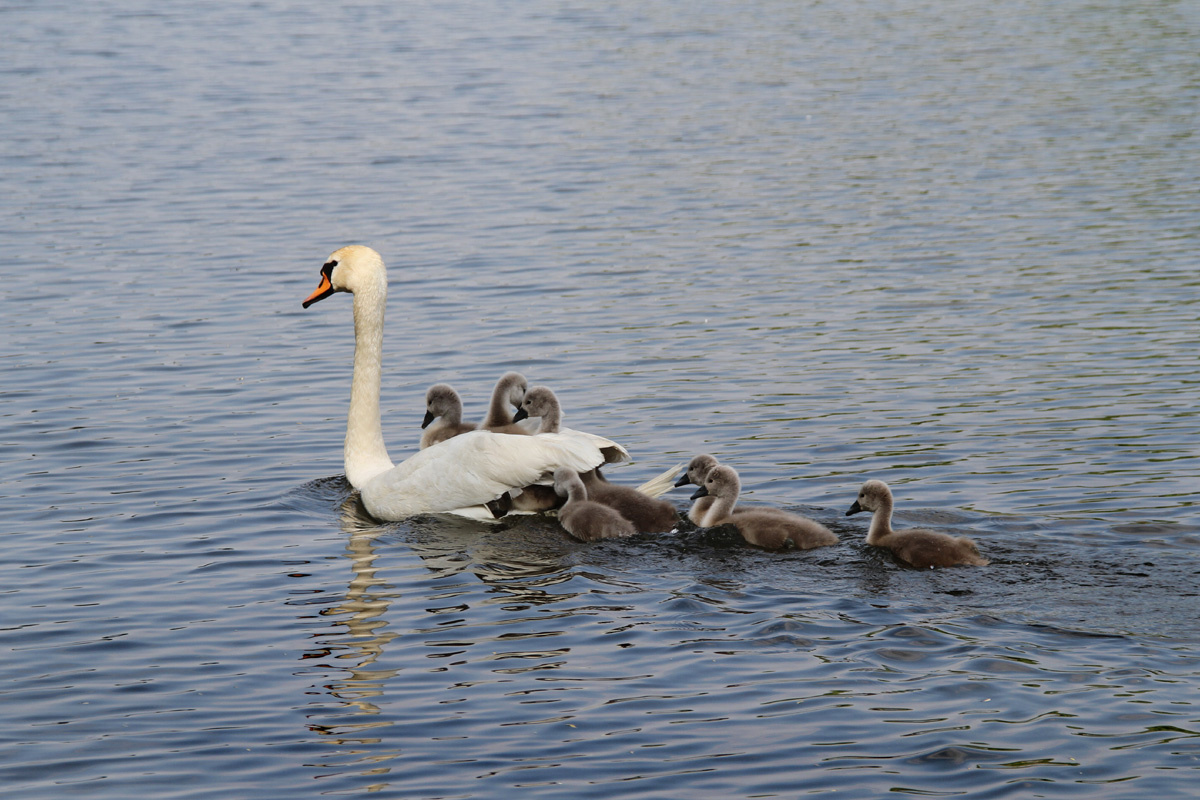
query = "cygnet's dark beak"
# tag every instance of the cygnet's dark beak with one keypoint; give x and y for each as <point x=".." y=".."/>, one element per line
<point x="429" y="417"/>
<point x="520" y="415"/>
<point x="683" y="480"/>
<point x="701" y="492"/>
<point x="854" y="509"/>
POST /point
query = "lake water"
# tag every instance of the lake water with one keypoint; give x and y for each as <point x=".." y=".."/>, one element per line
<point x="951" y="247"/>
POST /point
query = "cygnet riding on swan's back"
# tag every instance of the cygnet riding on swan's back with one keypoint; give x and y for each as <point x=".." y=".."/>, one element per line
<point x="772" y="529"/>
<point x="509" y="392"/>
<point x="640" y="506"/>
<point x="458" y="475"/>
<point x="541" y="401"/>
<point x="916" y="546"/>
<point x="441" y="401"/>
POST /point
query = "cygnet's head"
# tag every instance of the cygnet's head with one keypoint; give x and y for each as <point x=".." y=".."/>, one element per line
<point x="511" y="387"/>
<point x="539" y="401"/>
<point x="721" y="481"/>
<point x="440" y="400"/>
<point x="564" y="479"/>
<point x="697" y="470"/>
<point x="349" y="269"/>
<point x="871" y="497"/>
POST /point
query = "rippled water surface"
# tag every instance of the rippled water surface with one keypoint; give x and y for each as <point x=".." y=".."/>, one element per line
<point x="954" y="249"/>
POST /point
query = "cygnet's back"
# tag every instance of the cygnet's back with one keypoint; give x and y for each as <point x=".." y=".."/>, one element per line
<point x="916" y="546"/>
<point x="442" y="403"/>
<point x="584" y="519"/>
<point x="648" y="514"/>
<point x="771" y="529"/>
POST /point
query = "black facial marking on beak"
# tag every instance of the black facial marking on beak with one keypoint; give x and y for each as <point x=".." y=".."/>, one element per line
<point x="324" y="288"/>
<point x="429" y="417"/>
<point x="520" y="415"/>
<point x="684" y="480"/>
<point x="854" y="509"/>
<point x="701" y="492"/>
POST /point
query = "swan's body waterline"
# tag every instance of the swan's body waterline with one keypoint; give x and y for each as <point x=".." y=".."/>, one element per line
<point x="458" y="475"/>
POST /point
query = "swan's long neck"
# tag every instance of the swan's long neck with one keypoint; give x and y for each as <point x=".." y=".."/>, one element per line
<point x="881" y="521"/>
<point x="365" y="453"/>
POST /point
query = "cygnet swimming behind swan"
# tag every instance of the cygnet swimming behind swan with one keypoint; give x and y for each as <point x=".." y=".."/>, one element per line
<point x="916" y="546"/>
<point x="441" y="401"/>
<point x="701" y="512"/>
<point x="459" y="475"/>
<point x="771" y="529"/>
<point x="509" y="391"/>
<point x="584" y="519"/>
<point x="648" y="514"/>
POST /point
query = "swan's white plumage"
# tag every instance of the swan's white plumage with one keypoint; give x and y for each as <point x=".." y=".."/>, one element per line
<point x="457" y="475"/>
<point x="472" y="469"/>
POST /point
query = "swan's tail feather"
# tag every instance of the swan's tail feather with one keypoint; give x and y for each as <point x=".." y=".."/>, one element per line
<point x="661" y="484"/>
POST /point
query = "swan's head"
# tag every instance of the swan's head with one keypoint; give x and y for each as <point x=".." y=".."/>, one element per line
<point x="721" y="481"/>
<point x="539" y="401"/>
<point x="566" y="479"/>
<point x="697" y="470"/>
<point x="350" y="269"/>
<point x="871" y="497"/>
<point x="440" y="400"/>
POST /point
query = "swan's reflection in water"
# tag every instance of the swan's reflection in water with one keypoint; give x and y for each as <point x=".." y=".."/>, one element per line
<point x="518" y="563"/>
<point x="362" y="615"/>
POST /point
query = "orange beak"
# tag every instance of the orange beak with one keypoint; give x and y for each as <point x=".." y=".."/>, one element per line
<point x="323" y="290"/>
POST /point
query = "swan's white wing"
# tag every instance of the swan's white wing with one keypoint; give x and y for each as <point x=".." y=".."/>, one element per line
<point x="613" y="452"/>
<point x="472" y="469"/>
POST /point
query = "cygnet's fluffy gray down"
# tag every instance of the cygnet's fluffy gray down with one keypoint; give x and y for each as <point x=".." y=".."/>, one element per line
<point x="442" y="403"/>
<point x="916" y="546"/>
<point x="771" y="529"/>
<point x="648" y="515"/>
<point x="584" y="519"/>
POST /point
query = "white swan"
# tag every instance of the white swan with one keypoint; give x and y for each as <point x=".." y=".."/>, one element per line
<point x="458" y="475"/>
